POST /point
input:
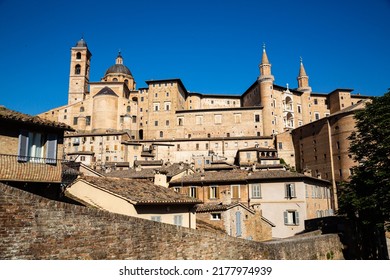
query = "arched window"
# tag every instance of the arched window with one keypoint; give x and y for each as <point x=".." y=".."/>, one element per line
<point x="161" y="134"/>
<point x="81" y="109"/>
<point x="127" y="82"/>
<point x="128" y="109"/>
<point x="77" y="69"/>
<point x="78" y="55"/>
<point x="115" y="79"/>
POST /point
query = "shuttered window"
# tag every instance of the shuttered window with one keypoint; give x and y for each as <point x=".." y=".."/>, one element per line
<point x="291" y="217"/>
<point x="178" y="220"/>
<point x="51" y="148"/>
<point x="23" y="146"/>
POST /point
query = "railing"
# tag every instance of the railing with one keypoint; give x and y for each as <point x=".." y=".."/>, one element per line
<point x="30" y="169"/>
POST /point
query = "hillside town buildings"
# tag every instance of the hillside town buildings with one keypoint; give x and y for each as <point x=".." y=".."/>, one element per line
<point x="118" y="127"/>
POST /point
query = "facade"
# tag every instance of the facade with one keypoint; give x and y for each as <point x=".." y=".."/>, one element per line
<point x="322" y="147"/>
<point x="236" y="220"/>
<point x="31" y="149"/>
<point x="165" y="121"/>
<point x="137" y="198"/>
<point x="285" y="198"/>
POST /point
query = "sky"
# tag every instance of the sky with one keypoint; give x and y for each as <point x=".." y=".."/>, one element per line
<point x="213" y="46"/>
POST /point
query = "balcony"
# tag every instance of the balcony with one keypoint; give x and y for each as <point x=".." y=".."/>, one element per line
<point x="30" y="169"/>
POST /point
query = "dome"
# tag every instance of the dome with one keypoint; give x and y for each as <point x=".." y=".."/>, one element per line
<point x="81" y="43"/>
<point x="118" y="68"/>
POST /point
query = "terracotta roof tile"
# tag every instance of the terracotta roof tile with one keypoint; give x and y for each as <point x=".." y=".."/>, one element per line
<point x="140" y="191"/>
<point x="10" y="115"/>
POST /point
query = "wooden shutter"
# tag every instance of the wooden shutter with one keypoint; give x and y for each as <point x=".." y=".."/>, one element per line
<point x="51" y="148"/>
<point x="296" y="217"/>
<point x="238" y="224"/>
<point x="285" y="216"/>
<point x="23" y="146"/>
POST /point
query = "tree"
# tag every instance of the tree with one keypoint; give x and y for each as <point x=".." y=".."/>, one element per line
<point x="366" y="198"/>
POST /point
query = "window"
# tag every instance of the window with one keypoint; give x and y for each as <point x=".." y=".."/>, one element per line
<point x="167" y="106"/>
<point x="155" y="123"/>
<point x="88" y="120"/>
<point x="167" y="122"/>
<point x="256" y="191"/>
<point x="128" y="109"/>
<point x="280" y="145"/>
<point x="289" y="191"/>
<point x="180" y="121"/>
<point x="291" y="217"/>
<point x="77" y="69"/>
<point x="235" y="191"/>
<point x="199" y="119"/>
<point x="81" y="109"/>
<point x="156" y="107"/>
<point x="317" y="115"/>
<point x="161" y="134"/>
<point x="257" y="118"/>
<point x="217" y="119"/>
<point x="156" y="218"/>
<point x="197" y="146"/>
<point x="237" y="118"/>
<point x="75" y="121"/>
<point x="178" y="220"/>
<point x="34" y="146"/>
<point x="315" y="101"/>
<point x="193" y="192"/>
<point x="213" y="192"/>
<point x="299" y="109"/>
<point x="78" y="55"/>
<point x="215" y="216"/>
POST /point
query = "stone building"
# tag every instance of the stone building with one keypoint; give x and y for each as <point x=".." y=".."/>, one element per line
<point x="173" y="124"/>
<point x="284" y="198"/>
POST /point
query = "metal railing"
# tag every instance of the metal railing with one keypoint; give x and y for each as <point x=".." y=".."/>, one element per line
<point x="30" y="169"/>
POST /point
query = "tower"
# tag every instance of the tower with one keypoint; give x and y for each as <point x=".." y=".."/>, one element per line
<point x="80" y="60"/>
<point x="266" y="81"/>
<point x="303" y="86"/>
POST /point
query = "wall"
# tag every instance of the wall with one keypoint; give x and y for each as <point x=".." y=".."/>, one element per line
<point x="33" y="227"/>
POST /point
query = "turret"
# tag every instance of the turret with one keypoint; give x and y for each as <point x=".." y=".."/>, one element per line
<point x="266" y="81"/>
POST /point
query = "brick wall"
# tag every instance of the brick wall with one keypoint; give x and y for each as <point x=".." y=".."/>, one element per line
<point x="32" y="227"/>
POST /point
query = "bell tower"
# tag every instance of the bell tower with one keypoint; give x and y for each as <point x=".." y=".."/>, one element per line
<point x="80" y="60"/>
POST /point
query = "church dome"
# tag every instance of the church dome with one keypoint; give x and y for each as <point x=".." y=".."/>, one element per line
<point x="118" y="68"/>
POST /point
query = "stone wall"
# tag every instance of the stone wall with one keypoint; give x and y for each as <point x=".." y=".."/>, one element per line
<point x="32" y="227"/>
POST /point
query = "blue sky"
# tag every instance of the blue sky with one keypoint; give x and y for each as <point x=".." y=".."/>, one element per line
<point x="213" y="46"/>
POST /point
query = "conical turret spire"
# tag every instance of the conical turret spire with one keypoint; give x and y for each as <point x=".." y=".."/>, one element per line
<point x="265" y="65"/>
<point x="303" y="79"/>
<point x="264" y="59"/>
<point x="302" y="71"/>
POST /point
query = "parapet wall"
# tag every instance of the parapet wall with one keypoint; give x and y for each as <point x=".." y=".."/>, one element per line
<point x="33" y="227"/>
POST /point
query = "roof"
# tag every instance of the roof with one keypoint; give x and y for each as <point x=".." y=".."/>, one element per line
<point x="243" y="176"/>
<point x="118" y="68"/>
<point x="148" y="173"/>
<point x="106" y="91"/>
<point x="13" y="116"/>
<point x="212" y="207"/>
<point x="138" y="192"/>
<point x="81" y="44"/>
<point x="258" y="149"/>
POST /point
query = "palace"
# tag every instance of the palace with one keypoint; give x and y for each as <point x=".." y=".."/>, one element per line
<point x="117" y="125"/>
